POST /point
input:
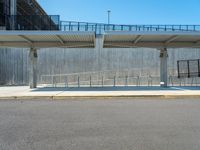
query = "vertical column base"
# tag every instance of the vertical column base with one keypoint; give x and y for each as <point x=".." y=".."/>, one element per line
<point x="163" y="68"/>
<point x="33" y="68"/>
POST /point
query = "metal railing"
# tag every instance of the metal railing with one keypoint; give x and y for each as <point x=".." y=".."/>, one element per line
<point x="175" y="81"/>
<point x="99" y="28"/>
<point x="63" y="81"/>
<point x="52" y="22"/>
<point x="188" y="68"/>
<point x="112" y="78"/>
<point x="30" y="22"/>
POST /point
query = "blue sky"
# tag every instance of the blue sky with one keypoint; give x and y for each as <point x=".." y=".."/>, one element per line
<point x="126" y="11"/>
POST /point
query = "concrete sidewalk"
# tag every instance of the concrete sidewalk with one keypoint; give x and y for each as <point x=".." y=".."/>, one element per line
<point x="23" y="92"/>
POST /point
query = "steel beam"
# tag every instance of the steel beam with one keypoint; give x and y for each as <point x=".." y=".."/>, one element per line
<point x="138" y="38"/>
<point x="60" y="39"/>
<point x="171" y="39"/>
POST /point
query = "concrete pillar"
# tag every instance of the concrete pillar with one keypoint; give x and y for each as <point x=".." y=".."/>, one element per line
<point x="99" y="41"/>
<point x="33" y="68"/>
<point x="163" y="67"/>
<point x="99" y="47"/>
<point x="13" y="12"/>
<point x="13" y="7"/>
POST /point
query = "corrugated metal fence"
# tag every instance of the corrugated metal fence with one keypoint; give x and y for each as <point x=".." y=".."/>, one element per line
<point x="14" y="62"/>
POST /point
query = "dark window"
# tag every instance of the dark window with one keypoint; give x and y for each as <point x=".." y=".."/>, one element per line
<point x="6" y="7"/>
<point x="2" y="13"/>
<point x="1" y="7"/>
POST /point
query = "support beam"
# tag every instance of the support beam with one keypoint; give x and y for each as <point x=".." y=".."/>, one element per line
<point x="60" y="39"/>
<point x="26" y="39"/>
<point x="138" y="38"/>
<point x="163" y="67"/>
<point x="171" y="39"/>
<point x="13" y="12"/>
<point x="33" y="68"/>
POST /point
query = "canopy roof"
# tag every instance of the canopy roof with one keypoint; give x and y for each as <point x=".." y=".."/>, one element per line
<point x="41" y="39"/>
<point x="112" y="39"/>
<point x="155" y="39"/>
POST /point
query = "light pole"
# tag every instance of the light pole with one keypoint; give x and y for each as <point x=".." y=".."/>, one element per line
<point x="109" y="16"/>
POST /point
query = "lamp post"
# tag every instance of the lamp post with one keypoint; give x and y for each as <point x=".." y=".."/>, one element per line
<point x="109" y="16"/>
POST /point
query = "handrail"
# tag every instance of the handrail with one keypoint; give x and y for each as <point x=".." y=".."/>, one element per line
<point x="99" y="28"/>
<point x="52" y="22"/>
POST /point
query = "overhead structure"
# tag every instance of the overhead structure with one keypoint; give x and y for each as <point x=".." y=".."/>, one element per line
<point x="47" y="39"/>
<point x="160" y="40"/>
<point x="44" y="39"/>
<point x="151" y="39"/>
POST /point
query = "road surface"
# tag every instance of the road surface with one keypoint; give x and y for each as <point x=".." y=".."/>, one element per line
<point x="109" y="124"/>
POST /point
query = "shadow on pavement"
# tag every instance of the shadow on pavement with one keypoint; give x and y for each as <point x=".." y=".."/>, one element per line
<point x="130" y="88"/>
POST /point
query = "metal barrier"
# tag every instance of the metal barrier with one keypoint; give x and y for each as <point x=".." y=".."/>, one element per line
<point x="52" y="22"/>
<point x="92" y="82"/>
<point x="103" y="79"/>
<point x="129" y="77"/>
<point x="99" y="28"/>
<point x="175" y="81"/>
<point x="30" y="22"/>
<point x="188" y="68"/>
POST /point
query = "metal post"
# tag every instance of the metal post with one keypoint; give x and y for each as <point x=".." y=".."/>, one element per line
<point x="188" y="65"/>
<point x="78" y="26"/>
<point x="126" y="81"/>
<point x="178" y="69"/>
<point x="90" y="81"/>
<point x="55" y="83"/>
<point x="199" y="67"/>
<point x="78" y="81"/>
<point x="114" y="82"/>
<point x="102" y="81"/>
<point x="66" y="82"/>
<point x="33" y="68"/>
<point x="52" y="81"/>
<point x="109" y="16"/>
<point x="138" y="81"/>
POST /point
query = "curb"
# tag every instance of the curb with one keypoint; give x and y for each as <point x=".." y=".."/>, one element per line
<point x="99" y="97"/>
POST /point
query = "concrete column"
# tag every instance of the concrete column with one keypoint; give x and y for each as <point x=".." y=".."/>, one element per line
<point x="13" y="7"/>
<point x="99" y="41"/>
<point x="99" y="47"/>
<point x="33" y="68"/>
<point x="13" y="12"/>
<point x="163" y="67"/>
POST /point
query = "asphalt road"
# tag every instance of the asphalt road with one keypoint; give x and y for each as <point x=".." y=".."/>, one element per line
<point x="100" y="125"/>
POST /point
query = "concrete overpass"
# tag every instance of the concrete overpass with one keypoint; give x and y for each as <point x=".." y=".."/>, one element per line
<point x="161" y="40"/>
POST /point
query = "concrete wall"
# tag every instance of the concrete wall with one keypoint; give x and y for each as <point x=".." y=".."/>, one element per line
<point x="142" y="61"/>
